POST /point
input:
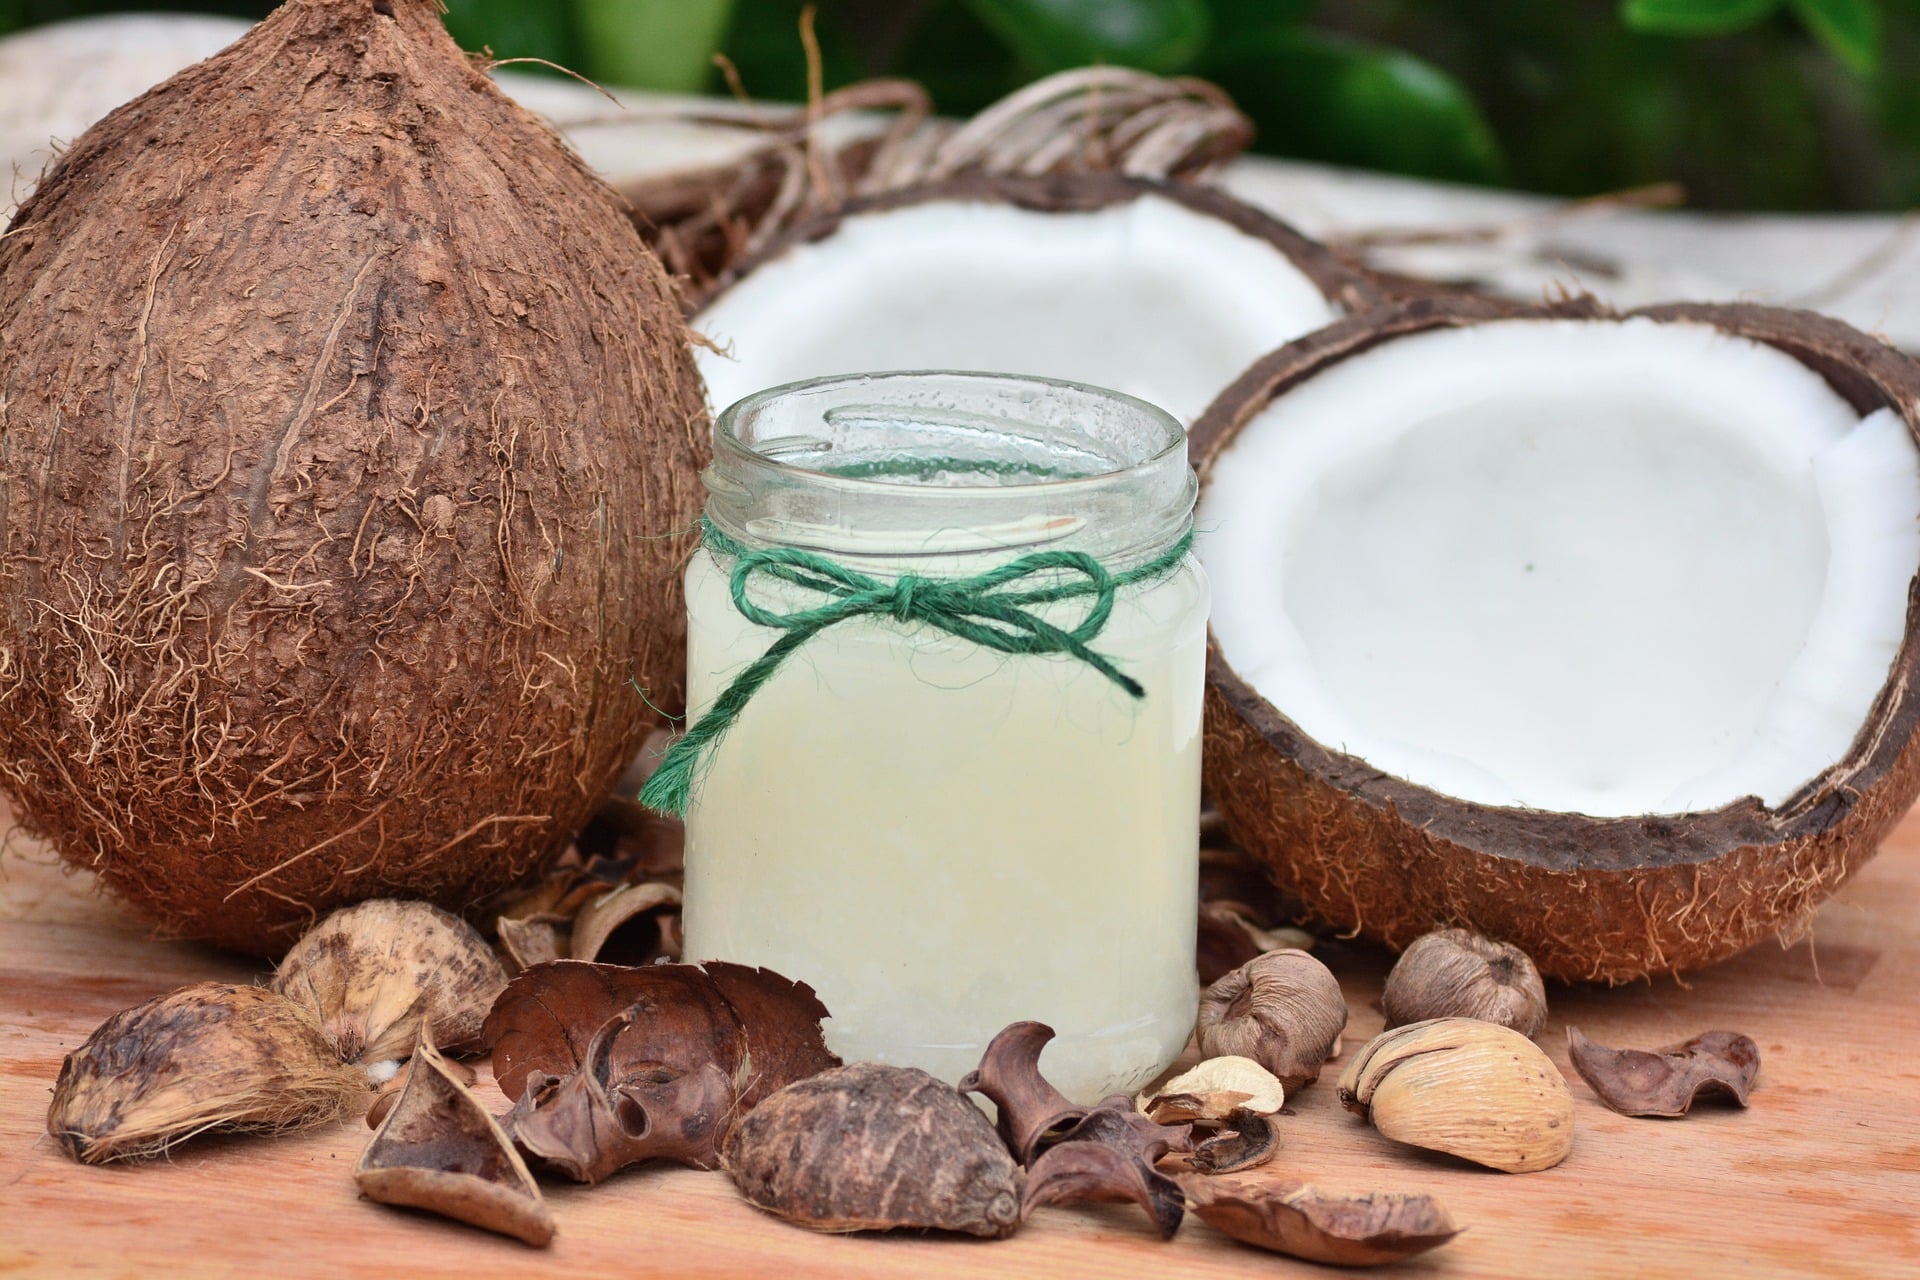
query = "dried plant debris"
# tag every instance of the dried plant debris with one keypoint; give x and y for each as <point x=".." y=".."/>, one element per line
<point x="1634" y="1082"/>
<point x="1303" y="1221"/>
<point x="600" y="1118"/>
<point x="1228" y="939"/>
<point x="872" y="1147"/>
<point x="1028" y="1107"/>
<point x="390" y="1090"/>
<point x="206" y="1057"/>
<point x="372" y="975"/>
<point x="1459" y="973"/>
<point x="1213" y="1090"/>
<point x="1107" y="1157"/>
<point x="1283" y="1009"/>
<point x="1246" y="1140"/>
<point x="1473" y="1089"/>
<point x="652" y="902"/>
<point x="609" y="1065"/>
<point x="439" y="1150"/>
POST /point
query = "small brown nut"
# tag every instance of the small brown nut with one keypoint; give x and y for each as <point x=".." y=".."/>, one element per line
<point x="1473" y="1089"/>
<point x="1282" y="1009"/>
<point x="1457" y="973"/>
<point x="370" y="974"/>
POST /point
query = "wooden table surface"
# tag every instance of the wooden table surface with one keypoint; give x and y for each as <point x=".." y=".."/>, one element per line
<point x="1821" y="1177"/>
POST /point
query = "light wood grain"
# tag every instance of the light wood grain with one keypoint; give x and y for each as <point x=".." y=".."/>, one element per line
<point x="1821" y="1177"/>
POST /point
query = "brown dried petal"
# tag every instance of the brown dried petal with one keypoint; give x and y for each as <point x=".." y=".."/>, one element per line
<point x="1248" y="1140"/>
<point x="390" y="1091"/>
<point x="1093" y="1172"/>
<point x="439" y="1150"/>
<point x="1283" y="1009"/>
<point x="599" y="918"/>
<point x="600" y="1118"/>
<point x="1634" y="1082"/>
<point x="759" y="1029"/>
<point x="371" y="974"/>
<point x="209" y="1056"/>
<point x="1305" y="1222"/>
<point x="1009" y="1077"/>
<point x="870" y="1147"/>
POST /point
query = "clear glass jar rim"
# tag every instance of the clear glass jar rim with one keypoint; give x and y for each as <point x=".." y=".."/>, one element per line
<point x="728" y="439"/>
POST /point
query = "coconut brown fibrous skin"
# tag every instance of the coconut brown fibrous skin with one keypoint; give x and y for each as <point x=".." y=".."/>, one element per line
<point x="1589" y="899"/>
<point x="347" y="427"/>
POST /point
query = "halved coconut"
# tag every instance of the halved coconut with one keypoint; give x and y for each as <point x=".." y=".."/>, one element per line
<point x="1165" y="291"/>
<point x="1592" y="632"/>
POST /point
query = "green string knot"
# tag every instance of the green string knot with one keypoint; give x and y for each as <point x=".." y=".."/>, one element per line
<point x="991" y="609"/>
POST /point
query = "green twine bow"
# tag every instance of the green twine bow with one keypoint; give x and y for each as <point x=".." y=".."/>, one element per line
<point x="980" y="609"/>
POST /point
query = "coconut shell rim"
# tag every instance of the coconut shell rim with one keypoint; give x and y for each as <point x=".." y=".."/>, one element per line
<point x="1863" y="370"/>
<point x="1350" y="290"/>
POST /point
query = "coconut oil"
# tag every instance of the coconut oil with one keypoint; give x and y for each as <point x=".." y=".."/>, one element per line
<point x="940" y="838"/>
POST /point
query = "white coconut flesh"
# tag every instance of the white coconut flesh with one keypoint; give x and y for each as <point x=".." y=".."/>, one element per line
<point x="1599" y="568"/>
<point x="1147" y="297"/>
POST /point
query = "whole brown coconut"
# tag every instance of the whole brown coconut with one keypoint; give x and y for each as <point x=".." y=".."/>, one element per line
<point x="1589" y="898"/>
<point x="347" y="424"/>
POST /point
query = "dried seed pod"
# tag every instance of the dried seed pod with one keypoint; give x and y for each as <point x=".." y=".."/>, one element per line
<point x="391" y="1089"/>
<point x="1283" y="1009"/>
<point x="870" y="1147"/>
<point x="530" y="941"/>
<point x="209" y="1056"/>
<point x="1457" y="973"/>
<point x="1107" y="1158"/>
<point x="373" y="974"/>
<point x="1215" y="1089"/>
<point x="1029" y="1108"/>
<point x="1246" y="1140"/>
<point x="437" y="1149"/>
<point x="1301" y="1220"/>
<point x="1473" y="1089"/>
<point x="1718" y="1064"/>
<point x="607" y="1113"/>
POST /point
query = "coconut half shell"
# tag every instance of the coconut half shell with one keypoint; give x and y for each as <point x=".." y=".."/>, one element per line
<point x="352" y="438"/>
<point x="1164" y="290"/>
<point x="1589" y="898"/>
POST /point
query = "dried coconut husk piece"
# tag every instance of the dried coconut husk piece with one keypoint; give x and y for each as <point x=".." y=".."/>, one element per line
<point x="1588" y="899"/>
<point x="211" y="1056"/>
<point x="873" y="1147"/>
<point x="1634" y="1082"/>
<point x="372" y="975"/>
<point x="1303" y="1221"/>
<point x="439" y="1150"/>
<point x="1091" y="119"/>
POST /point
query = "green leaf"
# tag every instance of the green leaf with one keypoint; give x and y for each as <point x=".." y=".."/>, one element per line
<point x="511" y="29"/>
<point x="1323" y="97"/>
<point x="653" y="44"/>
<point x="1694" y="17"/>
<point x="1849" y="28"/>
<point x="1052" y="35"/>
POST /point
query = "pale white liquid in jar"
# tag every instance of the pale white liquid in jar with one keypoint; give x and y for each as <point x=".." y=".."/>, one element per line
<point x="942" y="840"/>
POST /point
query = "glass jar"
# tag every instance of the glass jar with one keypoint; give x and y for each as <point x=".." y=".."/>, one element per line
<point x="940" y="837"/>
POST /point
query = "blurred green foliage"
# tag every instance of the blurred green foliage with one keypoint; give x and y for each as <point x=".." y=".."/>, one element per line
<point x="1798" y="104"/>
